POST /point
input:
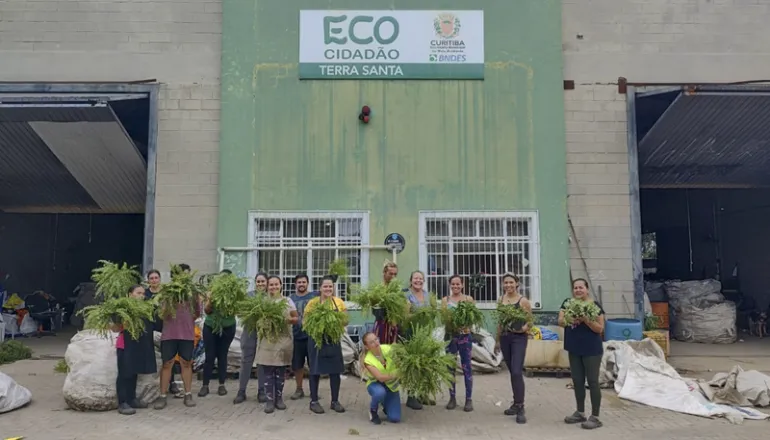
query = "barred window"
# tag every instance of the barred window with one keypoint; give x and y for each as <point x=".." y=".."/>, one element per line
<point x="293" y="243"/>
<point x="481" y="247"/>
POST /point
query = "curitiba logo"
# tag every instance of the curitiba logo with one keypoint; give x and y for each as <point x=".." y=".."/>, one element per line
<point x="446" y="26"/>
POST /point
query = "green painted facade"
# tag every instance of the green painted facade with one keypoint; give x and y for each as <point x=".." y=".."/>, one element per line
<point x="492" y="144"/>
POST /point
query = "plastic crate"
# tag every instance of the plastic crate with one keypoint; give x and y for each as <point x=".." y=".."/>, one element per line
<point x="661" y="337"/>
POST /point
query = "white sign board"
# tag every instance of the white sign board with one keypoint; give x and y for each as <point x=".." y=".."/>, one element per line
<point x="391" y="44"/>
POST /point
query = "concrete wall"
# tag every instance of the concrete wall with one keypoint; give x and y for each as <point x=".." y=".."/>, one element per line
<point x="644" y="41"/>
<point x="176" y="42"/>
<point x="497" y="144"/>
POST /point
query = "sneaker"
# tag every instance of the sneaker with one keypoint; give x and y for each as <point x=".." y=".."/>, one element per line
<point x="337" y="407"/>
<point x="413" y="403"/>
<point x="297" y="394"/>
<point x="222" y="391"/>
<point x="521" y="417"/>
<point x="468" y="405"/>
<point x="204" y="391"/>
<point x="269" y="407"/>
<point x="126" y="410"/>
<point x="279" y="404"/>
<point x="188" y="401"/>
<point x="452" y="404"/>
<point x="592" y="423"/>
<point x="512" y="410"/>
<point x="574" y="418"/>
<point x="316" y="408"/>
<point x="137" y="404"/>
<point x="262" y="397"/>
<point x="160" y="403"/>
<point x="374" y="418"/>
<point x="239" y="398"/>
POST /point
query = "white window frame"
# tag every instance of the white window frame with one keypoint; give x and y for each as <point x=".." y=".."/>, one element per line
<point x="252" y="263"/>
<point x="536" y="296"/>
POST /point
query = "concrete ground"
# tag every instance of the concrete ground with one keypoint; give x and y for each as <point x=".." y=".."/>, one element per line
<point x="548" y="401"/>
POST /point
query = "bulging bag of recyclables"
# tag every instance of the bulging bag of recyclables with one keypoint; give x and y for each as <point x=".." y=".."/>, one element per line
<point x="702" y="314"/>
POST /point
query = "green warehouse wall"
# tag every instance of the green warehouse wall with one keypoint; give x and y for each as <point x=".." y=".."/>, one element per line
<point x="493" y="144"/>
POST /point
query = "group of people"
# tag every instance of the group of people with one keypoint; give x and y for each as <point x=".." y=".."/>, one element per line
<point x="582" y="340"/>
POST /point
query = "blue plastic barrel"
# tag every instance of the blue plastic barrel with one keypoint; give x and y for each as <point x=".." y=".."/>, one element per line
<point x="623" y="329"/>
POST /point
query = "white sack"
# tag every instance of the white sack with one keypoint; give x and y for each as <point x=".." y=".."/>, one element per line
<point x="738" y="387"/>
<point x="12" y="395"/>
<point x="713" y="325"/>
<point x="90" y="383"/>
<point x="651" y="381"/>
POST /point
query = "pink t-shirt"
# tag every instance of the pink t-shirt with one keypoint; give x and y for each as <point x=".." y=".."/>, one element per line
<point x="121" y="342"/>
<point x="182" y="326"/>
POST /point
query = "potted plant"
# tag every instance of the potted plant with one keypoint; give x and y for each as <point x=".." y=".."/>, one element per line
<point x="130" y="313"/>
<point x="338" y="269"/>
<point x="265" y="316"/>
<point x="425" y="368"/>
<point x="325" y="323"/>
<point x="463" y="316"/>
<point x="576" y="308"/>
<point x="227" y="293"/>
<point x="113" y="280"/>
<point x="182" y="289"/>
<point x="511" y="317"/>
<point x="386" y="302"/>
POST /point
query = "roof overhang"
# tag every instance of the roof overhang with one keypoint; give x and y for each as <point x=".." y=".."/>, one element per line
<point x="715" y="137"/>
<point x="68" y="153"/>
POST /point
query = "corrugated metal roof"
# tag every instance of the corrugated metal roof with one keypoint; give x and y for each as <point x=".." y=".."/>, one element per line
<point x="709" y="140"/>
<point x="32" y="176"/>
<point x="68" y="159"/>
<point x="103" y="160"/>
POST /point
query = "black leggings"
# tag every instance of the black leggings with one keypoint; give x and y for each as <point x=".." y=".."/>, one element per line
<point x="586" y="368"/>
<point x="216" y="347"/>
<point x="125" y="383"/>
<point x="334" y="383"/>
<point x="514" y="348"/>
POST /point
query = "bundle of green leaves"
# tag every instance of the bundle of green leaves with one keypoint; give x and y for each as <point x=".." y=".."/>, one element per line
<point x="425" y="316"/>
<point x="113" y="280"/>
<point x="575" y="309"/>
<point x="128" y="312"/>
<point x="227" y="293"/>
<point x="424" y="367"/>
<point x="181" y="289"/>
<point x="339" y="267"/>
<point x="265" y="315"/>
<point x="324" y="323"/>
<point x="12" y="351"/>
<point x="388" y="297"/>
<point x="465" y="315"/>
<point x="511" y="317"/>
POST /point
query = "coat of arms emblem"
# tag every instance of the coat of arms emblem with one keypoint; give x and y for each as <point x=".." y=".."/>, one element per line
<point x="446" y="25"/>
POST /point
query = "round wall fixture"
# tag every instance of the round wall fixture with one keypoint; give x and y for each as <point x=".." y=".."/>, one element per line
<point x="365" y="114"/>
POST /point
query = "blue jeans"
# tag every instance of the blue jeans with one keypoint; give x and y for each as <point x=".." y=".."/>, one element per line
<point x="390" y="401"/>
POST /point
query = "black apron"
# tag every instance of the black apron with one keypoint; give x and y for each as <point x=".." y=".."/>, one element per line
<point x="326" y="359"/>
<point x="138" y="355"/>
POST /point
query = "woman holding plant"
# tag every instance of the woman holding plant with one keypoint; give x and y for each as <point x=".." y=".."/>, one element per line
<point x="249" y="351"/>
<point x="461" y="341"/>
<point x="219" y="327"/>
<point x="418" y="298"/>
<point x="179" y="307"/>
<point x="583" y="320"/>
<point x="324" y="321"/>
<point x="387" y="332"/>
<point x="136" y="355"/>
<point x="514" y="318"/>
<point x="275" y="351"/>
<point x="381" y="376"/>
